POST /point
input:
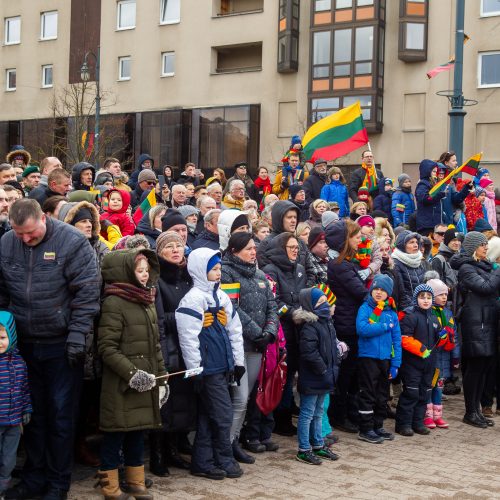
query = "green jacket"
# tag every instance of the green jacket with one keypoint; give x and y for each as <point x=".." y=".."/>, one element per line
<point x="128" y="340"/>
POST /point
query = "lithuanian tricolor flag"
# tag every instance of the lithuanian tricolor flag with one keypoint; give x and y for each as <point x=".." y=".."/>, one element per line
<point x="148" y="202"/>
<point x="232" y="289"/>
<point x="335" y="135"/>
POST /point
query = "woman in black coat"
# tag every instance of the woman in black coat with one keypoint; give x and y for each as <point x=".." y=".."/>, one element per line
<point x="290" y="278"/>
<point x="179" y="413"/>
<point x="343" y="238"/>
<point x="479" y="286"/>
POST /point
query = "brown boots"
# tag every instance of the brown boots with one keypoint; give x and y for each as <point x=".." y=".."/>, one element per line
<point x="110" y="486"/>
<point x="134" y="477"/>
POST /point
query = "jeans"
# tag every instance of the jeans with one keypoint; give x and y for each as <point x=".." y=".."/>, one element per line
<point x="49" y="438"/>
<point x="240" y="393"/>
<point x="309" y="425"/>
<point x="437" y="392"/>
<point x="133" y="449"/>
<point x="9" y="441"/>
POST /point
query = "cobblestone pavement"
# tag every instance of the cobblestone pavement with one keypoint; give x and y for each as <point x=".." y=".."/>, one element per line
<point x="461" y="462"/>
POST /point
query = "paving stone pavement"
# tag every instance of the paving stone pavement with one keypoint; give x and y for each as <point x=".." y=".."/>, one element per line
<point x="460" y="463"/>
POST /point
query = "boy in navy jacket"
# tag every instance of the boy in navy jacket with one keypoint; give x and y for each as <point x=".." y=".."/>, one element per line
<point x="379" y="357"/>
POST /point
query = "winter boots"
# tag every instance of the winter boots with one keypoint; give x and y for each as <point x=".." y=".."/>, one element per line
<point x="429" y="417"/>
<point x="134" y="477"/>
<point x="110" y="488"/>
<point x="434" y="417"/>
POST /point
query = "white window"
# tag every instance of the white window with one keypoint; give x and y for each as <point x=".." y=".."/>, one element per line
<point x="124" y="68"/>
<point x="10" y="80"/>
<point x="170" y="11"/>
<point x="47" y="76"/>
<point x="125" y="15"/>
<point x="48" y="25"/>
<point x="489" y="69"/>
<point x="168" y="64"/>
<point x="12" y="30"/>
<point x="490" y="8"/>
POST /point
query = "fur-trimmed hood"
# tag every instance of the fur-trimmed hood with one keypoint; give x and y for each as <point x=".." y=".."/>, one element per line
<point x="301" y="316"/>
<point x="69" y="210"/>
<point x="19" y="152"/>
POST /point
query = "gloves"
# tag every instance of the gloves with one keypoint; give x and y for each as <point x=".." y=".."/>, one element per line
<point x="455" y="363"/>
<point x="221" y="316"/>
<point x="343" y="349"/>
<point x="75" y="354"/>
<point x="198" y="383"/>
<point x="426" y="354"/>
<point x="393" y="372"/>
<point x="284" y="184"/>
<point x="364" y="273"/>
<point x="208" y="320"/>
<point x="239" y="371"/>
<point x="264" y="341"/>
<point x="26" y="418"/>
<point x="142" y="381"/>
<point x="164" y="392"/>
<point x="443" y="334"/>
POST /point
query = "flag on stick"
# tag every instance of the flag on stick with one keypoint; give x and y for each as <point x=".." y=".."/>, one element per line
<point x="148" y="202"/>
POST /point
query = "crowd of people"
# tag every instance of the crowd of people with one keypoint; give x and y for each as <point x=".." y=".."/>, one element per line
<point x="357" y="300"/>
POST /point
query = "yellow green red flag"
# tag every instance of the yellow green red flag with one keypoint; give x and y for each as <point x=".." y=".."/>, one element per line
<point x="148" y="202"/>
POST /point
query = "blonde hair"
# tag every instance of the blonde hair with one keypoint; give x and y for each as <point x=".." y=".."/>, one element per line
<point x="318" y="202"/>
<point x="381" y="223"/>
<point x="301" y="228"/>
<point x="356" y="205"/>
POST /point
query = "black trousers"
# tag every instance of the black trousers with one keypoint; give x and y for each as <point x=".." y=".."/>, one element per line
<point x="373" y="378"/>
<point x="474" y="378"/>
<point x="492" y="384"/>
<point x="258" y="427"/>
<point x="416" y="376"/>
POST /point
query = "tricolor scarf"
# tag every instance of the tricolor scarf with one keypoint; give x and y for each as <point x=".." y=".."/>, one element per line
<point x="363" y="256"/>
<point x="377" y="310"/>
<point x="370" y="181"/>
<point x="132" y="293"/>
<point x="293" y="176"/>
<point x="448" y="325"/>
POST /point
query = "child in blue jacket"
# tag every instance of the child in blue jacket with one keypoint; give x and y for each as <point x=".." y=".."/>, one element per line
<point x="15" y="404"/>
<point x="336" y="191"/>
<point x="379" y="358"/>
<point x="403" y="202"/>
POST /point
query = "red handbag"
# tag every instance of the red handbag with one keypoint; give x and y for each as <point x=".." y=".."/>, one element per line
<point x="271" y="388"/>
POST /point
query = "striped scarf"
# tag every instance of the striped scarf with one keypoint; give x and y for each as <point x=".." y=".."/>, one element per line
<point x="448" y="325"/>
<point x="370" y="181"/>
<point x="363" y="256"/>
<point x="377" y="310"/>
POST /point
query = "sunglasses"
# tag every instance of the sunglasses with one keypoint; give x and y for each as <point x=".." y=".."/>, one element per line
<point x="151" y="183"/>
<point x="439" y="233"/>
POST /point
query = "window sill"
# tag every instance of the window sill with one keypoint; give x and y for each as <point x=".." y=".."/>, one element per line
<point x="492" y="14"/>
<point x="47" y="39"/>
<point x="128" y="28"/>
<point x="232" y="14"/>
<point x="10" y="90"/>
<point x="420" y="129"/>
<point x="168" y="23"/>
<point x="47" y="87"/>
<point x="238" y="70"/>
<point x="124" y="79"/>
<point x="490" y="86"/>
<point x="167" y="75"/>
<point x="11" y="43"/>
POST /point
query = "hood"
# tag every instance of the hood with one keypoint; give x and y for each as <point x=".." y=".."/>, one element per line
<point x="244" y="268"/>
<point x="335" y="235"/>
<point x="276" y="253"/>
<point x="7" y="321"/>
<point x="68" y="211"/>
<point x="459" y="259"/>
<point x="125" y="200"/>
<point x="426" y="167"/>
<point x="142" y="158"/>
<point x="77" y="170"/>
<point x="226" y="219"/>
<point x="102" y="177"/>
<point x="280" y="208"/>
<point x="197" y="268"/>
<point x="445" y="249"/>
<point x="118" y="267"/>
<point x="81" y="195"/>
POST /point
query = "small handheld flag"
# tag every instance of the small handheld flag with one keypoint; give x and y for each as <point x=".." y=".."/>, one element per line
<point x="148" y="202"/>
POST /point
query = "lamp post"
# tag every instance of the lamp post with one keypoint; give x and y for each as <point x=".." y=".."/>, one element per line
<point x="85" y="76"/>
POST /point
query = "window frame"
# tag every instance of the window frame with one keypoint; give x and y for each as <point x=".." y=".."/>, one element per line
<point x="45" y="67"/>
<point x="7" y="72"/>
<point x="6" y="31"/>
<point x="487" y="14"/>
<point x="176" y="21"/>
<point x="480" y="67"/>
<point x="163" y="57"/>
<point x="42" y="20"/>
<point x="118" y="10"/>
<point x="121" y="78"/>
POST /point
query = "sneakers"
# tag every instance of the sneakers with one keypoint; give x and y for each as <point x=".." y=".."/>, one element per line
<point x="308" y="457"/>
<point x="386" y="435"/>
<point x="488" y="412"/>
<point x="370" y="437"/>
<point x="405" y="431"/>
<point x="429" y="417"/>
<point x="325" y="453"/>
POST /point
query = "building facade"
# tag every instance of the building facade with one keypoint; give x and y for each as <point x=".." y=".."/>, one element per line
<point x="222" y="81"/>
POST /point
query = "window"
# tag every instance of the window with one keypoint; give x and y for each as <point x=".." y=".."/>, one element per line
<point x="321" y="5"/>
<point x="48" y="25"/>
<point x="124" y="68"/>
<point x="170" y="11"/>
<point x="489" y="70"/>
<point x="238" y="58"/>
<point x="168" y="64"/>
<point x="47" y="76"/>
<point x="412" y="44"/>
<point x="10" y="80"/>
<point x="288" y="36"/>
<point x="415" y="33"/>
<point x="490" y="8"/>
<point x="125" y="15"/>
<point x="12" y="30"/>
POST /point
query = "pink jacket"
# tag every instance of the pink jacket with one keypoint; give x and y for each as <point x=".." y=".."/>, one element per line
<point x="489" y="204"/>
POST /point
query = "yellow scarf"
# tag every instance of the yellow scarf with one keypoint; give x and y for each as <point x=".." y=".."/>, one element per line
<point x="370" y="182"/>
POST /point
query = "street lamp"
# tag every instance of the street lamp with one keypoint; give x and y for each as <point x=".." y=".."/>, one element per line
<point x="85" y="77"/>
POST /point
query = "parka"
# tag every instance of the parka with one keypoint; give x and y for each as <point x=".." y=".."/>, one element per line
<point x="120" y="217"/>
<point x="429" y="209"/>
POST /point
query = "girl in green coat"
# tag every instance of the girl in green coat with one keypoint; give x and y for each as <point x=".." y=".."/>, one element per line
<point x="128" y="342"/>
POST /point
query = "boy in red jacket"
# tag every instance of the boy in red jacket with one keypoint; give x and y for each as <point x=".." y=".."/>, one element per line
<point x="116" y="211"/>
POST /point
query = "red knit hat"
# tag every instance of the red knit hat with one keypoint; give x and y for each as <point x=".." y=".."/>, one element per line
<point x="484" y="183"/>
<point x="363" y="193"/>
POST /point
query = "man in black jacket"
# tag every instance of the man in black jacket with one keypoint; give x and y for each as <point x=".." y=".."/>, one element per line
<point x="50" y="283"/>
<point x="358" y="177"/>
<point x="209" y="237"/>
<point x="58" y="184"/>
<point x="316" y="180"/>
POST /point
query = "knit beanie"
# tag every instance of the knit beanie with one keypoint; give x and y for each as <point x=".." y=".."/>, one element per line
<point x="383" y="281"/>
<point x="493" y="249"/>
<point x="30" y="170"/>
<point x="294" y="190"/>
<point x="403" y="238"/>
<point x="363" y="193"/>
<point x="479" y="191"/>
<point x="424" y="287"/>
<point x="388" y="181"/>
<point x="241" y="220"/>
<point x="296" y="140"/>
<point x="366" y="220"/>
<point x="82" y="214"/>
<point x="171" y="218"/>
<point x="187" y="210"/>
<point x="484" y="183"/>
<point x="315" y="236"/>
<point x="450" y="234"/>
<point x="146" y="175"/>
<point x="328" y="217"/>
<point x="316" y="294"/>
<point x="213" y="261"/>
<point x="402" y="178"/>
<point x="438" y="287"/>
<point x="165" y="238"/>
<point x="473" y="241"/>
<point x="482" y="225"/>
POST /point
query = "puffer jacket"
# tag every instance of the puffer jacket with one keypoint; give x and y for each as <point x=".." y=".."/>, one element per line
<point x="479" y="285"/>
<point x="407" y="279"/>
<point x="429" y="210"/>
<point x="128" y="341"/>
<point x="452" y="201"/>
<point x="406" y="201"/>
<point x="120" y="217"/>
<point x="134" y="176"/>
<point x="76" y="172"/>
<point x="217" y="348"/>
<point x="206" y="239"/>
<point x="378" y="340"/>
<point x="383" y="202"/>
<point x="52" y="289"/>
<point x="255" y="305"/>
<point x="337" y="191"/>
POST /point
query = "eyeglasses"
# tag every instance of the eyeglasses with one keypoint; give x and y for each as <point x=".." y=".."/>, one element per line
<point x="293" y="248"/>
<point x="151" y="183"/>
<point x="439" y="233"/>
<point x="484" y="244"/>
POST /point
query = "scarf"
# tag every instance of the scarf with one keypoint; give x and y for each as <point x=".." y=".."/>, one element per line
<point x="448" y="325"/>
<point x="370" y="181"/>
<point x="265" y="187"/>
<point x="412" y="260"/>
<point x="132" y="293"/>
<point x="363" y="256"/>
<point x="377" y="310"/>
<point x="292" y="176"/>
